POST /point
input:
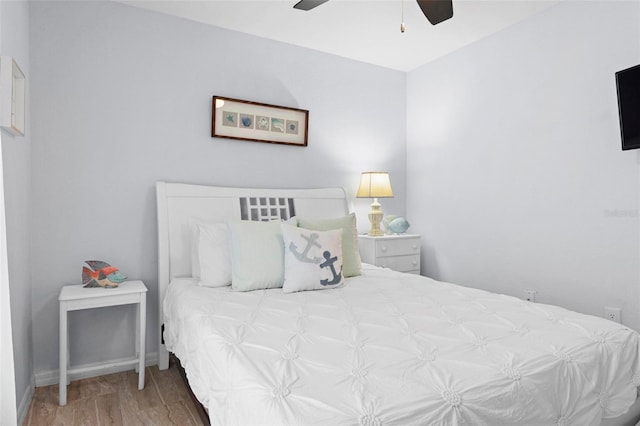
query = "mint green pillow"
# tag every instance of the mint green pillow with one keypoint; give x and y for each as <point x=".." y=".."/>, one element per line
<point x="257" y="255"/>
<point x="351" y="256"/>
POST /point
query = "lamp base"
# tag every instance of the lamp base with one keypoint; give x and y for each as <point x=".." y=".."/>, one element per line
<point x="375" y="217"/>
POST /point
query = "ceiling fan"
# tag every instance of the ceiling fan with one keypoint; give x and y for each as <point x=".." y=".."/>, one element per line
<point x="436" y="11"/>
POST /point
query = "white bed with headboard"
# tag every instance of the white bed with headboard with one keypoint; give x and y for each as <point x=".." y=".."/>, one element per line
<point x="178" y="204"/>
<point x="385" y="348"/>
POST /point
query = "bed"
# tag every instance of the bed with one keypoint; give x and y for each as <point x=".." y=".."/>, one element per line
<point x="381" y="348"/>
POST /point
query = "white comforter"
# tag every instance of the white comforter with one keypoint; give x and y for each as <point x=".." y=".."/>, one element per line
<point x="397" y="349"/>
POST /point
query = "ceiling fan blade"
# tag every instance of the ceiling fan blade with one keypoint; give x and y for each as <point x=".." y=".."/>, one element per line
<point x="436" y="11"/>
<point x="308" y="4"/>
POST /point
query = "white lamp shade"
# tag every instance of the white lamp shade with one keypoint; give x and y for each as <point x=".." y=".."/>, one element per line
<point x="374" y="185"/>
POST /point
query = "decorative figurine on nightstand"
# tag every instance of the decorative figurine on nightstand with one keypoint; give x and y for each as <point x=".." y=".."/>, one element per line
<point x="398" y="225"/>
<point x="386" y="221"/>
<point x="101" y="274"/>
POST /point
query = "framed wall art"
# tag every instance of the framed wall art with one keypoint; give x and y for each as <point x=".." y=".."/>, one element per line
<point x="12" y="96"/>
<point x="253" y="121"/>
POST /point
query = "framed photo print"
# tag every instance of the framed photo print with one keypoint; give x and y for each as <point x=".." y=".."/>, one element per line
<point x="12" y="96"/>
<point x="253" y="121"/>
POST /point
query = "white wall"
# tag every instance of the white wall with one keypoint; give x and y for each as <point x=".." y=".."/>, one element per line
<point x="516" y="179"/>
<point x="122" y="98"/>
<point x="16" y="153"/>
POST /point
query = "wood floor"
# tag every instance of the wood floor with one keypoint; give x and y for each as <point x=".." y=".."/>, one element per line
<point x="115" y="400"/>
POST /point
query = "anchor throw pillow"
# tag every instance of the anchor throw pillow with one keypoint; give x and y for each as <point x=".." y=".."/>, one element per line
<point x="352" y="261"/>
<point x="312" y="259"/>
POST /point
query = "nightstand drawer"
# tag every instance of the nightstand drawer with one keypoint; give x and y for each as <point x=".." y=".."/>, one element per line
<point x="400" y="263"/>
<point x="398" y="252"/>
<point x="397" y="247"/>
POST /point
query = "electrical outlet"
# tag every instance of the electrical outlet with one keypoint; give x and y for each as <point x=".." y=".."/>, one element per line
<point x="612" y="314"/>
<point x="530" y="295"/>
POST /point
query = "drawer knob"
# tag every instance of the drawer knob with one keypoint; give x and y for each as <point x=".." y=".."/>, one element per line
<point x="383" y="248"/>
<point x="415" y="246"/>
<point x="415" y="263"/>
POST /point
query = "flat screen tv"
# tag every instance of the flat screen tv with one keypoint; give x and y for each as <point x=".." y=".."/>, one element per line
<point x="628" y="84"/>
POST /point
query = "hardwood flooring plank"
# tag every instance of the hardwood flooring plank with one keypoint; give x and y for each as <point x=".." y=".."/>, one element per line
<point x="64" y="415"/>
<point x="73" y="390"/>
<point x="84" y="412"/>
<point x="142" y="399"/>
<point x="158" y="415"/>
<point x="108" y="407"/>
<point x="170" y="386"/>
<point x="114" y="400"/>
<point x="132" y="411"/>
<point x="43" y="406"/>
<point x="179" y="414"/>
<point x="193" y="411"/>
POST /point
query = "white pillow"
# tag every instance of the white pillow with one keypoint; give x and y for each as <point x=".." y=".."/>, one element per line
<point x="257" y="254"/>
<point x="195" y="237"/>
<point x="213" y="254"/>
<point x="312" y="259"/>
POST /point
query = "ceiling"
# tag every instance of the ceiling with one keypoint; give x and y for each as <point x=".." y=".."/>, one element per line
<point x="364" y="30"/>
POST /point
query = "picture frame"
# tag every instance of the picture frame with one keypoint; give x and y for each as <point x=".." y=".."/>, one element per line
<point x="12" y="96"/>
<point x="258" y="122"/>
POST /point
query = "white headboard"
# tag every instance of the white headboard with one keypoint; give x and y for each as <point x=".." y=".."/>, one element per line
<point x="179" y="204"/>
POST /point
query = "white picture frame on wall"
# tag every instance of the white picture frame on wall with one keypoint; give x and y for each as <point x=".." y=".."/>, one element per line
<point x="12" y="96"/>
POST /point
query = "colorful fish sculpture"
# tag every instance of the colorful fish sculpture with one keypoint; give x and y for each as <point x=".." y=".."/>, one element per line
<point x="101" y="274"/>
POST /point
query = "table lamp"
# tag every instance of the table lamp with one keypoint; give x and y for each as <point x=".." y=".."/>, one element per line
<point x="375" y="185"/>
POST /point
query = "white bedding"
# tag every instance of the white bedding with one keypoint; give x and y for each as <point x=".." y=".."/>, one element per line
<point x="391" y="348"/>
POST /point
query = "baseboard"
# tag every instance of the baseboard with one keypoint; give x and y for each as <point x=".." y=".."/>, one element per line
<point x="52" y="377"/>
<point x="25" y="401"/>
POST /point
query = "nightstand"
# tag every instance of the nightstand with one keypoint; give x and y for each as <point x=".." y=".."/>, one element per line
<point x="76" y="297"/>
<point x="400" y="252"/>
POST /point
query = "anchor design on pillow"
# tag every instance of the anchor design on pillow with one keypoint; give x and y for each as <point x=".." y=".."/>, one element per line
<point x="329" y="261"/>
<point x="304" y="255"/>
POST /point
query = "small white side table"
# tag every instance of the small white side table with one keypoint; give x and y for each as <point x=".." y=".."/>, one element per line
<point x="76" y="297"/>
